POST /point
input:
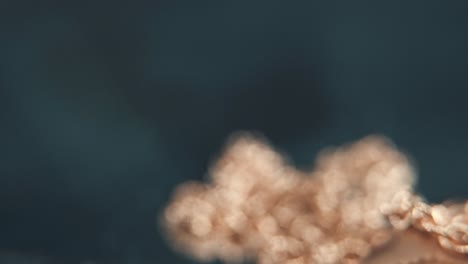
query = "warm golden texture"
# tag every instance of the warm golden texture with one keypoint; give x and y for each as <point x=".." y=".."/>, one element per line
<point x="412" y="247"/>
<point x="258" y="207"/>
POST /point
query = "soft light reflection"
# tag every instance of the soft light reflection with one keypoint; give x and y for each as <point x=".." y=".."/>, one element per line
<point x="258" y="206"/>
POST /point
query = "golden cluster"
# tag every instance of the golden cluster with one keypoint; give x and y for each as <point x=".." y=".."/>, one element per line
<point x="256" y="206"/>
<point x="448" y="223"/>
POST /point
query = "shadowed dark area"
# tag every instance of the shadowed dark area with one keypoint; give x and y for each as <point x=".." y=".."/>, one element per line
<point x="105" y="107"/>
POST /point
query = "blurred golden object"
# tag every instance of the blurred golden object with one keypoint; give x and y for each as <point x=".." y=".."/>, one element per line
<point x="350" y="209"/>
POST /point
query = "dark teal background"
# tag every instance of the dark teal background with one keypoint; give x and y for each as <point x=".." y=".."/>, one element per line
<point x="106" y="106"/>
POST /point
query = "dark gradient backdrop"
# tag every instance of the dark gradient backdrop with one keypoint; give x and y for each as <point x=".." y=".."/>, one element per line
<point x="106" y="106"/>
